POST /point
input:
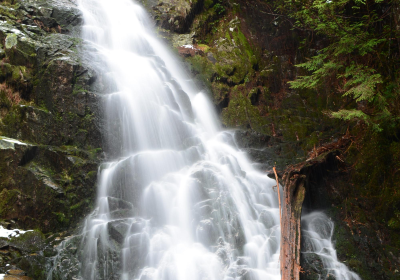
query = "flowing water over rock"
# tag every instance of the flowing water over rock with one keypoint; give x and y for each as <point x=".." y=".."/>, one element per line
<point x="318" y="248"/>
<point x="178" y="200"/>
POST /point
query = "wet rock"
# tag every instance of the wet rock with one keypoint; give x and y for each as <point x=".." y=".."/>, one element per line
<point x="189" y="50"/>
<point x="59" y="16"/>
<point x="31" y="241"/>
<point x="122" y="214"/>
<point x="15" y="277"/>
<point x="137" y="251"/>
<point x="265" y="150"/>
<point x="312" y="266"/>
<point x="178" y="40"/>
<point x="118" y="204"/>
<point x="39" y="174"/>
<point x="267" y="218"/>
<point x="117" y="230"/>
<point x="47" y="103"/>
<point x="175" y="15"/>
<point x="34" y="265"/>
<point x="16" y="272"/>
<point x="137" y="226"/>
<point x="211" y="58"/>
<point x="24" y="253"/>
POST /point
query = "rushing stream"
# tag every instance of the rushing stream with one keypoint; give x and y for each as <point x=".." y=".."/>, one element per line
<point x="177" y="200"/>
<point x="317" y="230"/>
<point x="180" y="202"/>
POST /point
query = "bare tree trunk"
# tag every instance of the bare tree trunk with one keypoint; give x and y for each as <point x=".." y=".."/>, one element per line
<point x="297" y="179"/>
<point x="294" y="193"/>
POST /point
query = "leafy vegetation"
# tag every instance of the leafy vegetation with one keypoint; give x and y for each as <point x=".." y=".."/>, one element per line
<point x="358" y="58"/>
<point x="355" y="53"/>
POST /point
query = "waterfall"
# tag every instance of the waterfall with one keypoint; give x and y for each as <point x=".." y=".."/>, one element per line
<point x="317" y="231"/>
<point x="178" y="199"/>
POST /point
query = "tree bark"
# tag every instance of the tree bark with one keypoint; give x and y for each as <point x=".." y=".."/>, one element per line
<point x="294" y="193"/>
<point x="306" y="177"/>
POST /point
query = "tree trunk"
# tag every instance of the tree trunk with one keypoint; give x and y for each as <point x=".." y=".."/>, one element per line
<point x="293" y="197"/>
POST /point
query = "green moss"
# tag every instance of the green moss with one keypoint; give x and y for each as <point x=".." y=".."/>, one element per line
<point x="93" y="153"/>
<point x="236" y="8"/>
<point x="61" y="218"/>
<point x="92" y="174"/>
<point x="11" y="41"/>
<point x="8" y="199"/>
<point x="23" y="52"/>
<point x="240" y="38"/>
<point x="240" y="112"/>
<point x="208" y="4"/>
<point x="204" y="47"/>
<point x="59" y="117"/>
<point x="79" y="89"/>
<point x="4" y="100"/>
<point x="6" y="69"/>
<point x="227" y="36"/>
<point x="16" y="75"/>
<point x="76" y="206"/>
<point x="220" y="91"/>
<point x="30" y="241"/>
<point x="253" y="93"/>
<point x="203" y="68"/>
<point x="394" y="222"/>
<point x="376" y="161"/>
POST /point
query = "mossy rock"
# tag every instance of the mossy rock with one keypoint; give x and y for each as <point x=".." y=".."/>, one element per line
<point x="11" y="41"/>
<point x="240" y="113"/>
<point x="8" y="198"/>
<point x="29" y="242"/>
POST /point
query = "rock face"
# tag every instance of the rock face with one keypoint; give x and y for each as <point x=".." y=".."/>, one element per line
<point x="175" y="15"/>
<point x="27" y="253"/>
<point x="47" y="103"/>
<point x="50" y="118"/>
<point x="267" y="151"/>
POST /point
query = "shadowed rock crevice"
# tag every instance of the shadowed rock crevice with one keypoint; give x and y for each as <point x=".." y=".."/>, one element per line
<point x="28" y="156"/>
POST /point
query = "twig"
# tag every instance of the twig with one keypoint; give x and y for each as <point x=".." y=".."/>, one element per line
<point x="279" y="196"/>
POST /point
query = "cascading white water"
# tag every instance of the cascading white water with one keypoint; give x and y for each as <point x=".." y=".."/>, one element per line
<point x="181" y="202"/>
<point x="317" y="230"/>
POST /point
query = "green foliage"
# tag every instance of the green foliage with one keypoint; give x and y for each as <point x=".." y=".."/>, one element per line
<point x="8" y="198"/>
<point x="61" y="217"/>
<point x="358" y="58"/>
<point x="394" y="222"/>
<point x="350" y="114"/>
<point x="219" y="7"/>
